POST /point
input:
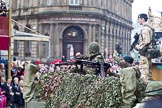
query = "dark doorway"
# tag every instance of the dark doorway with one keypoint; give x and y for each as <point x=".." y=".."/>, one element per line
<point x="72" y="37"/>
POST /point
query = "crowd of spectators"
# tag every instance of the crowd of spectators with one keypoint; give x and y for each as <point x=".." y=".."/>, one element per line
<point x="12" y="87"/>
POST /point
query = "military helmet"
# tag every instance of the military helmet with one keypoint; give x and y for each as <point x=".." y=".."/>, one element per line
<point x="154" y="88"/>
<point x="94" y="48"/>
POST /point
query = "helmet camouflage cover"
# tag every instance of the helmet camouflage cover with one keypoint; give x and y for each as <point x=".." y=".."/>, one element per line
<point x="154" y="88"/>
<point x="94" y="48"/>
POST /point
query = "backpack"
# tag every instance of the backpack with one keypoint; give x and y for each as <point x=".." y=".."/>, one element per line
<point x="153" y="35"/>
<point x="150" y="52"/>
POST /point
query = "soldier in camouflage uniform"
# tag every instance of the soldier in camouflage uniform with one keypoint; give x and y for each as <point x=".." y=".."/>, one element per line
<point x="153" y="97"/>
<point x="133" y="87"/>
<point x="94" y="51"/>
<point x="95" y="56"/>
<point x="144" y="39"/>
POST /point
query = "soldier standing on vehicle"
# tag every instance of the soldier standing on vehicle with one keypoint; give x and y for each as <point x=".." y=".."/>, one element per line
<point x="145" y="39"/>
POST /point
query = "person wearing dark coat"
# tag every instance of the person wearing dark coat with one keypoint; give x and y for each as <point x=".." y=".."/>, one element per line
<point x="11" y="94"/>
<point x="4" y="87"/>
<point x="17" y="93"/>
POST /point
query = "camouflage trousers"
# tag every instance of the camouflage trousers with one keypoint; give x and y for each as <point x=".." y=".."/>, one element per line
<point x="144" y="68"/>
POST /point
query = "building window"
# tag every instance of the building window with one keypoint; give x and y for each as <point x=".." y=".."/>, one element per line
<point x="73" y="32"/>
<point x="16" y="27"/>
<point x="73" y="2"/>
<point x="49" y="2"/>
<point x="27" y="28"/>
<point x="26" y="3"/>
<point x="45" y="49"/>
<point x="14" y="4"/>
<point x="27" y="48"/>
<point x="16" y="48"/>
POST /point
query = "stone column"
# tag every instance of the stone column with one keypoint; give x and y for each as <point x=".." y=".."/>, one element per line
<point x="127" y="12"/>
<point x="18" y="4"/>
<point x="57" y="42"/>
<point x="51" y="43"/>
<point x="114" y="33"/>
<point x="39" y="53"/>
<point x="89" y="33"/>
<point x="113" y="37"/>
<point x="85" y="45"/>
<point x="34" y="49"/>
<point x="99" y="34"/>
<point x="21" y="48"/>
<point x="41" y="2"/>
<point x="108" y="35"/>
<point x="113" y="5"/>
<point x="122" y="8"/>
<point x="85" y="2"/>
<point x="103" y="36"/>
<point x="29" y="2"/>
<point x="93" y="32"/>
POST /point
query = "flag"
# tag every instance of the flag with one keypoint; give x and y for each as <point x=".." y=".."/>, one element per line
<point x="4" y="42"/>
<point x="4" y="25"/>
<point x="4" y="33"/>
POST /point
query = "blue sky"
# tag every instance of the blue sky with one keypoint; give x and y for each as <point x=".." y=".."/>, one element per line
<point x="141" y="6"/>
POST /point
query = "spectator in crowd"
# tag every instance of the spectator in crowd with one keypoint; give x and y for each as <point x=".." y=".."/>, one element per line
<point x="4" y="87"/>
<point x="2" y="71"/>
<point x="22" y="77"/>
<point x="21" y="89"/>
<point x="19" y="72"/>
<point x="11" y="94"/>
<point x="78" y="55"/>
<point x="13" y="69"/>
<point x="63" y="59"/>
<point x="17" y="93"/>
<point x="21" y="85"/>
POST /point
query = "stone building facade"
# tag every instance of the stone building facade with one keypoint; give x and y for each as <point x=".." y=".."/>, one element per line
<point x="74" y="24"/>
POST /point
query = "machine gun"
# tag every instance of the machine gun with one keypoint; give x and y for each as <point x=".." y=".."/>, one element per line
<point x="100" y="67"/>
<point x="136" y="38"/>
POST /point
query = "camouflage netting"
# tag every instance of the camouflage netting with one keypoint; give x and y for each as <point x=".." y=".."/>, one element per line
<point x="83" y="91"/>
<point x="74" y="90"/>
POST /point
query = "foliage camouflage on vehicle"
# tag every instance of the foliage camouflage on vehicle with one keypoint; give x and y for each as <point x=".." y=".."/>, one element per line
<point x="74" y="90"/>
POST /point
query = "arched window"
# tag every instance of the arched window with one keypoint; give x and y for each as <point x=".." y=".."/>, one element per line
<point x="73" y="32"/>
<point x="73" y="37"/>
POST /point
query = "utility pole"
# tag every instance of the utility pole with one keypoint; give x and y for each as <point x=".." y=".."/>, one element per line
<point x="10" y="33"/>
